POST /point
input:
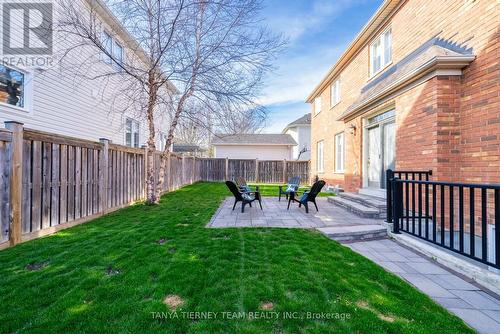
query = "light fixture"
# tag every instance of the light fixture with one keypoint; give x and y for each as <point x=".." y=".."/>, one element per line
<point x="352" y="129"/>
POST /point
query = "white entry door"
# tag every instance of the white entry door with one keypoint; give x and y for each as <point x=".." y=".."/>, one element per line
<point x="374" y="162"/>
<point x="380" y="148"/>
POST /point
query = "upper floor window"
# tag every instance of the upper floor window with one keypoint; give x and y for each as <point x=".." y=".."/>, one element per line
<point x="335" y="93"/>
<point x="131" y="133"/>
<point x="12" y="86"/>
<point x="339" y="152"/>
<point x="381" y="52"/>
<point x="114" y="51"/>
<point x="320" y="164"/>
<point x="317" y="105"/>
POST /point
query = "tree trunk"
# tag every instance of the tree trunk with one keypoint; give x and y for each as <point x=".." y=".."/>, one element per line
<point x="151" y="197"/>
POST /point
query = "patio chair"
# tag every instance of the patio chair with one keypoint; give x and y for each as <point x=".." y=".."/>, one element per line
<point x="242" y="184"/>
<point x="243" y="197"/>
<point x="293" y="186"/>
<point x="309" y="196"/>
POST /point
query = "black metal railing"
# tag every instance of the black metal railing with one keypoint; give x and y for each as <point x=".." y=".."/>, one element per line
<point x="463" y="218"/>
<point x="403" y="175"/>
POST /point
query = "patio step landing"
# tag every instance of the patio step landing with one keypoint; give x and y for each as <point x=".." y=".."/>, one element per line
<point x="354" y="233"/>
<point x="362" y="205"/>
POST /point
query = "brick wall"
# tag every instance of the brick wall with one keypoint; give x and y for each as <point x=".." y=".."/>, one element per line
<point x="450" y="124"/>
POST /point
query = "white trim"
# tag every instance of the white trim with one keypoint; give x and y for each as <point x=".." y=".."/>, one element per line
<point x="336" y="169"/>
<point x="335" y="88"/>
<point x="317" y="105"/>
<point x="322" y="160"/>
<point x="383" y="65"/>
<point x="28" y="91"/>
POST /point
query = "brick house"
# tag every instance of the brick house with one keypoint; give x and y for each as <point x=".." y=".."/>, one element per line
<point x="419" y="89"/>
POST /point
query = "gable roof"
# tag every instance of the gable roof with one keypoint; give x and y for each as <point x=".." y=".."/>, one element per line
<point x="436" y="53"/>
<point x="304" y="120"/>
<point x="376" y="21"/>
<point x="254" y="139"/>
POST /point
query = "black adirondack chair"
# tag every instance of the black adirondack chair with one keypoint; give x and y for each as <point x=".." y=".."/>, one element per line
<point x="242" y="184"/>
<point x="243" y="197"/>
<point x="309" y="196"/>
<point x="293" y="186"/>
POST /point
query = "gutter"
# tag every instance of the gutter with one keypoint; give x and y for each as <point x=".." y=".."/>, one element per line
<point x="434" y="64"/>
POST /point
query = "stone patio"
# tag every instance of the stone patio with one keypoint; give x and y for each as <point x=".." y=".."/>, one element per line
<point x="275" y="214"/>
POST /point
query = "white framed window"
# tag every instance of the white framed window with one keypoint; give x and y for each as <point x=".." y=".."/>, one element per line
<point x="317" y="105"/>
<point x="107" y="42"/>
<point x="131" y="133"/>
<point x="320" y="163"/>
<point x="114" y="50"/>
<point x="381" y="52"/>
<point x="163" y="141"/>
<point x="118" y="55"/>
<point x="339" y="152"/>
<point x="12" y="87"/>
<point x="335" y="93"/>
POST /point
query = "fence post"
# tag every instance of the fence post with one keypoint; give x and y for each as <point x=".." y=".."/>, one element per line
<point x="397" y="190"/>
<point x="256" y="170"/>
<point x="284" y="172"/>
<point x="145" y="171"/>
<point x="389" y="175"/>
<point x="183" y="166"/>
<point x="104" y="174"/>
<point x="227" y="169"/>
<point x="169" y="171"/>
<point x="16" y="181"/>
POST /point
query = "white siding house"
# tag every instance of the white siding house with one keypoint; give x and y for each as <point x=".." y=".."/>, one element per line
<point x="254" y="146"/>
<point x="300" y="130"/>
<point x="57" y="100"/>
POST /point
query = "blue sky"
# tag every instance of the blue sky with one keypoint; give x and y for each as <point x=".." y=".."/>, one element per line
<point x="318" y="33"/>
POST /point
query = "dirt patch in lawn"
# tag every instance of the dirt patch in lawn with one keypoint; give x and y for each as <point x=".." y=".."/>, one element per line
<point x="173" y="301"/>
<point x="162" y="241"/>
<point x="364" y="305"/>
<point x="110" y="271"/>
<point x="266" y="306"/>
<point x="36" y="266"/>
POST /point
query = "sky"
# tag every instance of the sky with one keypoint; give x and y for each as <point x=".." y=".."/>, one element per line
<point x="318" y="31"/>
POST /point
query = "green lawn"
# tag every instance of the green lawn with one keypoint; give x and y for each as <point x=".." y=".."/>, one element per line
<point x="111" y="276"/>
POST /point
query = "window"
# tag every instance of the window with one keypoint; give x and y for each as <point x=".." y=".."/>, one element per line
<point x="381" y="52"/>
<point x="114" y="51"/>
<point x="118" y="55"/>
<point x="339" y="152"/>
<point x="320" y="163"/>
<point x="317" y="105"/>
<point x="131" y="133"/>
<point x="163" y="141"/>
<point x="12" y="86"/>
<point x="108" y="46"/>
<point x="335" y="93"/>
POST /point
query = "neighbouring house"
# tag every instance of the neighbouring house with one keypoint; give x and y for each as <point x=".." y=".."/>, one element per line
<point x="58" y="100"/>
<point x="417" y="89"/>
<point x="300" y="130"/>
<point x="189" y="150"/>
<point x="254" y="146"/>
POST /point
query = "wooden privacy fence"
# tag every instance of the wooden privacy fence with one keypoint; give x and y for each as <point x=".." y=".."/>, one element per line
<point x="50" y="182"/>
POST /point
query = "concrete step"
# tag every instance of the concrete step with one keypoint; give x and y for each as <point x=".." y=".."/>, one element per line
<point x="374" y="202"/>
<point x="355" y="207"/>
<point x="380" y="193"/>
<point x="354" y="233"/>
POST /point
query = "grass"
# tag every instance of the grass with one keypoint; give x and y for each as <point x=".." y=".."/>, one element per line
<point x="111" y="275"/>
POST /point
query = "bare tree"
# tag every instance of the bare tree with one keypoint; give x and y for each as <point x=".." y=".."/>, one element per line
<point x="215" y="52"/>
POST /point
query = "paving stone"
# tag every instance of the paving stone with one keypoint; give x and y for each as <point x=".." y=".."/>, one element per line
<point x="391" y="266"/>
<point x="451" y="281"/>
<point x="495" y="315"/>
<point x="427" y="267"/>
<point x="452" y="302"/>
<point x="427" y="286"/>
<point x="479" y="299"/>
<point x="477" y="319"/>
